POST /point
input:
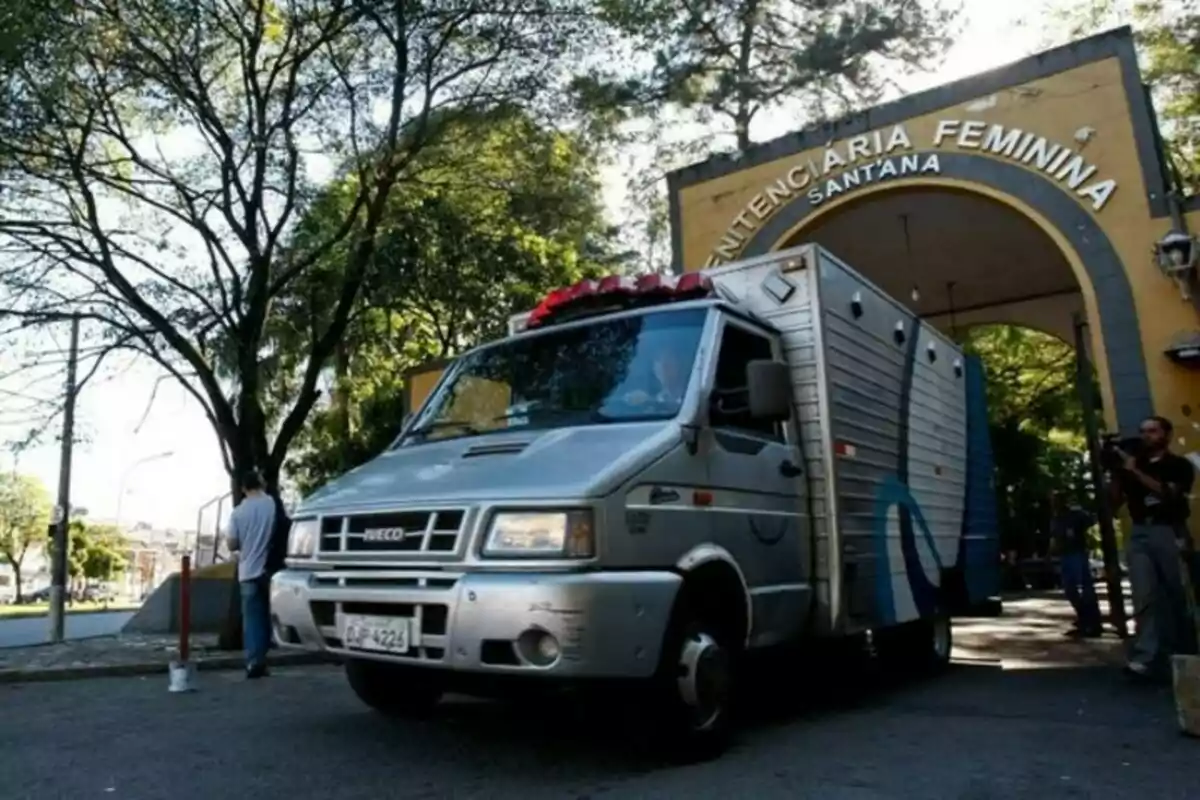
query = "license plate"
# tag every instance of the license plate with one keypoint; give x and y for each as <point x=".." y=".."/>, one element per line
<point x="380" y="634"/>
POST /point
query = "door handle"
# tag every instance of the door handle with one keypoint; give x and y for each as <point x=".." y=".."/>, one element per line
<point x="789" y="470"/>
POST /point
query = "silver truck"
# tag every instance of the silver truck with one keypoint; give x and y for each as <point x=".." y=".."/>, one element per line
<point x="650" y="478"/>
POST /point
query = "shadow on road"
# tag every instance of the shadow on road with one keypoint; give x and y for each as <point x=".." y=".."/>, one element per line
<point x="1016" y="667"/>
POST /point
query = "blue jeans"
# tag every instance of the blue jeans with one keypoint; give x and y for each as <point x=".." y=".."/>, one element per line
<point x="256" y="620"/>
<point x="1077" y="582"/>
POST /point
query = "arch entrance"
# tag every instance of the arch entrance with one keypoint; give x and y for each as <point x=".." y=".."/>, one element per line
<point x="990" y="242"/>
<point x="955" y="257"/>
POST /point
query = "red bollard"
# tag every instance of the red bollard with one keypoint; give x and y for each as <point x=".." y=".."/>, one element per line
<point x="181" y="671"/>
<point x="185" y="607"/>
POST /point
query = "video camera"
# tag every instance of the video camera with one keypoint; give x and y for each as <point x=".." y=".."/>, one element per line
<point x="1114" y="450"/>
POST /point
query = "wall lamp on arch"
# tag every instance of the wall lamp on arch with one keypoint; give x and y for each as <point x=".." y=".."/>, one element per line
<point x="1185" y="349"/>
<point x="1177" y="254"/>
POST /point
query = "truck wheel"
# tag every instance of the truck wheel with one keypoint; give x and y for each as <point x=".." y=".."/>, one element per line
<point x="691" y="695"/>
<point x="393" y="689"/>
<point x="918" y="648"/>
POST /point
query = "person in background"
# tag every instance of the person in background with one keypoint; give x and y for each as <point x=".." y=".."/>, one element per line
<point x="1068" y="528"/>
<point x="670" y="381"/>
<point x="250" y="534"/>
<point x="1155" y="483"/>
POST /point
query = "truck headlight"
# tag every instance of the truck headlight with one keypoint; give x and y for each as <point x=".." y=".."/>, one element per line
<point x="541" y="534"/>
<point x="302" y="538"/>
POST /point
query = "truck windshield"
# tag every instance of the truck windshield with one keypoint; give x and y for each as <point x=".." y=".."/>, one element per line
<point x="611" y="370"/>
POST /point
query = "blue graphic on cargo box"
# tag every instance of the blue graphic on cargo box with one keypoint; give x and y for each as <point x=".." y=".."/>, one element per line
<point x="974" y="577"/>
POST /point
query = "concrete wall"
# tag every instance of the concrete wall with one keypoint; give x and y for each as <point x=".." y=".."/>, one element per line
<point x="212" y="590"/>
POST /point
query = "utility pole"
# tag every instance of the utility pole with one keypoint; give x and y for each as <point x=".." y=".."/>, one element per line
<point x="1104" y="513"/>
<point x="62" y="511"/>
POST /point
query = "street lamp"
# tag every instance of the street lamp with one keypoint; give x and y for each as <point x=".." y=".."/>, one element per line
<point x="1177" y="255"/>
<point x="129" y="471"/>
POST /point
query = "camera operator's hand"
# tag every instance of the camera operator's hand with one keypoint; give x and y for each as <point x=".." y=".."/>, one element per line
<point x="1128" y="462"/>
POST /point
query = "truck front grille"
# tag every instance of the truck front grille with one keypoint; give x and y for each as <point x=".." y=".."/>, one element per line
<point x="394" y="533"/>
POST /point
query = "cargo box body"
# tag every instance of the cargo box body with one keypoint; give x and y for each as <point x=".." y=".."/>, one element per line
<point x="893" y="428"/>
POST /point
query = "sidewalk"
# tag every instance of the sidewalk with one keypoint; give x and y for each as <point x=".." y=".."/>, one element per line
<point x="126" y="654"/>
<point x="1030" y="635"/>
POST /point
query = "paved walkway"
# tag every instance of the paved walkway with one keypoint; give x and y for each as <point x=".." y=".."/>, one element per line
<point x="1030" y="635"/>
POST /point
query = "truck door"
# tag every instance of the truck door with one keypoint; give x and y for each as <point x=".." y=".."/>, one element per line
<point x="759" y="490"/>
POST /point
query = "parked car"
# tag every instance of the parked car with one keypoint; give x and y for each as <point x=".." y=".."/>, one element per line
<point x="40" y="596"/>
<point x="96" y="594"/>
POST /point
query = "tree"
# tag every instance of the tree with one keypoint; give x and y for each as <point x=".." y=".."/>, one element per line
<point x="511" y="210"/>
<point x="28" y="36"/>
<point x="97" y="552"/>
<point x="24" y="520"/>
<point x="1168" y="37"/>
<point x="162" y="176"/>
<point x="1036" y="425"/>
<point x="689" y="77"/>
<point x="1171" y="43"/>
<point x="737" y="58"/>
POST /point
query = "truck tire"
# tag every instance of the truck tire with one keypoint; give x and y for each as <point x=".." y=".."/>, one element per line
<point x="916" y="649"/>
<point x="690" y="703"/>
<point x="392" y="689"/>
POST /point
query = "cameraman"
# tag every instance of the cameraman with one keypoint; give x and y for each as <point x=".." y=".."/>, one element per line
<point x="1155" y="483"/>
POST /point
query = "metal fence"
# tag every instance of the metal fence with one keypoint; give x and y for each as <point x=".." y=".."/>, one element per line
<point x="211" y="519"/>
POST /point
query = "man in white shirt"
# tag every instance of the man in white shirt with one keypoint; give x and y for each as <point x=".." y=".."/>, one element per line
<point x="249" y="535"/>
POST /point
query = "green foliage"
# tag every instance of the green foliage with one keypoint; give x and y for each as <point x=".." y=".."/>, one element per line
<point x="97" y="552"/>
<point x="24" y="519"/>
<point x="1168" y="38"/>
<point x="737" y="58"/>
<point x="1036" y="423"/>
<point x="1170" y="42"/>
<point x="503" y="210"/>
<point x="1031" y="378"/>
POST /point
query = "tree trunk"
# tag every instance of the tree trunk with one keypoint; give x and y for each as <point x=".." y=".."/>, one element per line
<point x="745" y="109"/>
<point x="341" y="404"/>
<point x="16" y="568"/>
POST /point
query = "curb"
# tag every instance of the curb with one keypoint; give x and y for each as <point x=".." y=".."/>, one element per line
<point x="52" y="674"/>
<point x="83" y="612"/>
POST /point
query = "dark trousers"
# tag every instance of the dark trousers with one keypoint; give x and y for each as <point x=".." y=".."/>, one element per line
<point x="1077" y="583"/>
<point x="256" y="619"/>
<point x="1159" y="600"/>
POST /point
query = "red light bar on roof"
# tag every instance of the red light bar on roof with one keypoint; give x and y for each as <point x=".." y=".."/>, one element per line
<point x="643" y="290"/>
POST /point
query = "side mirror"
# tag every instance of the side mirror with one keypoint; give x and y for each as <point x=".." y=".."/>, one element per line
<point x="769" y="384"/>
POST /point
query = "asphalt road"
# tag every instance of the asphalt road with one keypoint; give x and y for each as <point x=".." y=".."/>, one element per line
<point x="974" y="734"/>
<point x="24" y="631"/>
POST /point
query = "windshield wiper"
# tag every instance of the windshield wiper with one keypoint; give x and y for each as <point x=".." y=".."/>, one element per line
<point x="592" y="415"/>
<point x="430" y="427"/>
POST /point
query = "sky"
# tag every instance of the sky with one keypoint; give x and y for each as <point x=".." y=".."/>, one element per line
<point x="161" y="467"/>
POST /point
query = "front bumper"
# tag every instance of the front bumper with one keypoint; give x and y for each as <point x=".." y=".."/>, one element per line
<point x="608" y="624"/>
